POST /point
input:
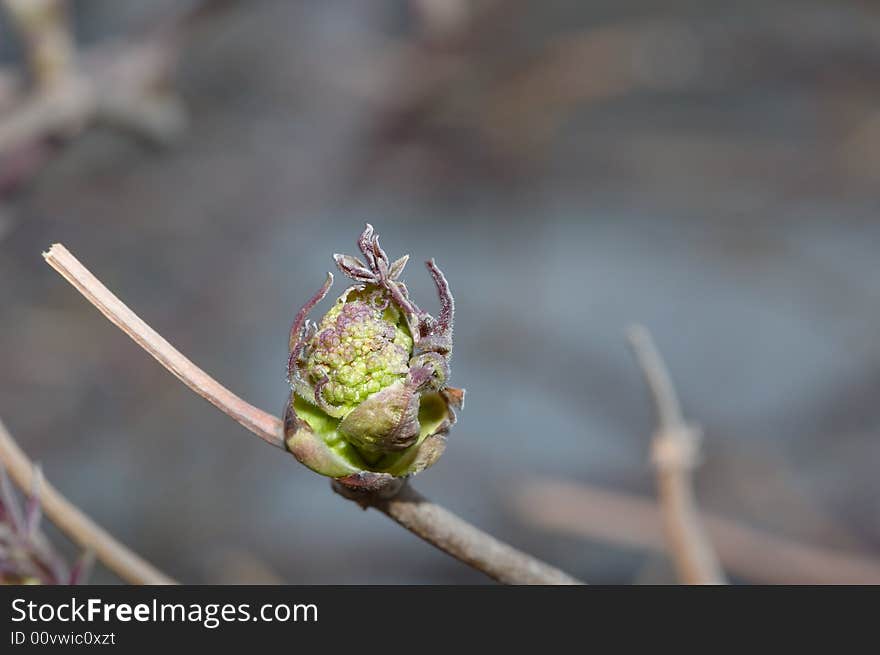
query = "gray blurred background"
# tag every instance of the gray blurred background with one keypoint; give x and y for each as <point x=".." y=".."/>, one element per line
<point x="709" y="169"/>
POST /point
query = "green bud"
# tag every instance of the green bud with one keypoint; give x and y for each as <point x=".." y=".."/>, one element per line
<point x="362" y="346"/>
<point x="369" y="399"/>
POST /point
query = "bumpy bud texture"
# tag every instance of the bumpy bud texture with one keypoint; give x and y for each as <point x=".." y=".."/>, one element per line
<point x="360" y="348"/>
<point x="369" y="398"/>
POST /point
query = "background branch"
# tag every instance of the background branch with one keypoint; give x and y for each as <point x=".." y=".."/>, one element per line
<point x="436" y="525"/>
<point x="123" y="83"/>
<point x="619" y="518"/>
<point x="44" y="28"/>
<point x="674" y="456"/>
<point x="74" y="523"/>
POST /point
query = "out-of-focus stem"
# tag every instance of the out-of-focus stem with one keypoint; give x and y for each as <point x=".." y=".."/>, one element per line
<point x="674" y="456"/>
<point x="115" y="555"/>
<point x="45" y="30"/>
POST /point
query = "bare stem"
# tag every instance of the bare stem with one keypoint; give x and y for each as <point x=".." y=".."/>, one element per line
<point x="675" y="447"/>
<point x="80" y="528"/>
<point x="264" y="425"/>
<point x="460" y="539"/>
<point x="431" y="522"/>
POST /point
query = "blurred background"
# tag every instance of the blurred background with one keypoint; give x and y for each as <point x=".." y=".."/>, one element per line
<point x="709" y="169"/>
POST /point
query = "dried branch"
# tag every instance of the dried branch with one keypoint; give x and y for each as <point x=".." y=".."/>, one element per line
<point x="675" y="452"/>
<point x="432" y="523"/>
<point x="625" y="519"/>
<point x="264" y="425"/>
<point x="458" y="538"/>
<point x="79" y="527"/>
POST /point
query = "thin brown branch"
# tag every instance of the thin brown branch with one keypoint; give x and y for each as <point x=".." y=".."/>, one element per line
<point x="437" y="526"/>
<point x="674" y="455"/>
<point x="262" y="424"/>
<point x="460" y="539"/>
<point x="619" y="518"/>
<point x="74" y="523"/>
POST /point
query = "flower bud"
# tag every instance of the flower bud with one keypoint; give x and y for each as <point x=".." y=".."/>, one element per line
<point x="369" y="399"/>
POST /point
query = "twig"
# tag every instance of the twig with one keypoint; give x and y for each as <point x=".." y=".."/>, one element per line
<point x="126" y="85"/>
<point x="264" y="425"/>
<point x="120" y="85"/>
<point x="44" y="27"/>
<point x="675" y="451"/>
<point x="458" y="538"/>
<point x="79" y="527"/>
<point x="620" y="518"/>
<point x="432" y="523"/>
<point x="62" y="110"/>
<point x="26" y="555"/>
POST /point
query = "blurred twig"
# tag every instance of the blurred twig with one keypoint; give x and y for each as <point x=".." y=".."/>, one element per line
<point x="26" y="556"/>
<point x="79" y="527"/>
<point x="626" y="519"/>
<point x="127" y="84"/>
<point x="409" y="509"/>
<point x="44" y="28"/>
<point x="675" y="447"/>
<point x="229" y="565"/>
